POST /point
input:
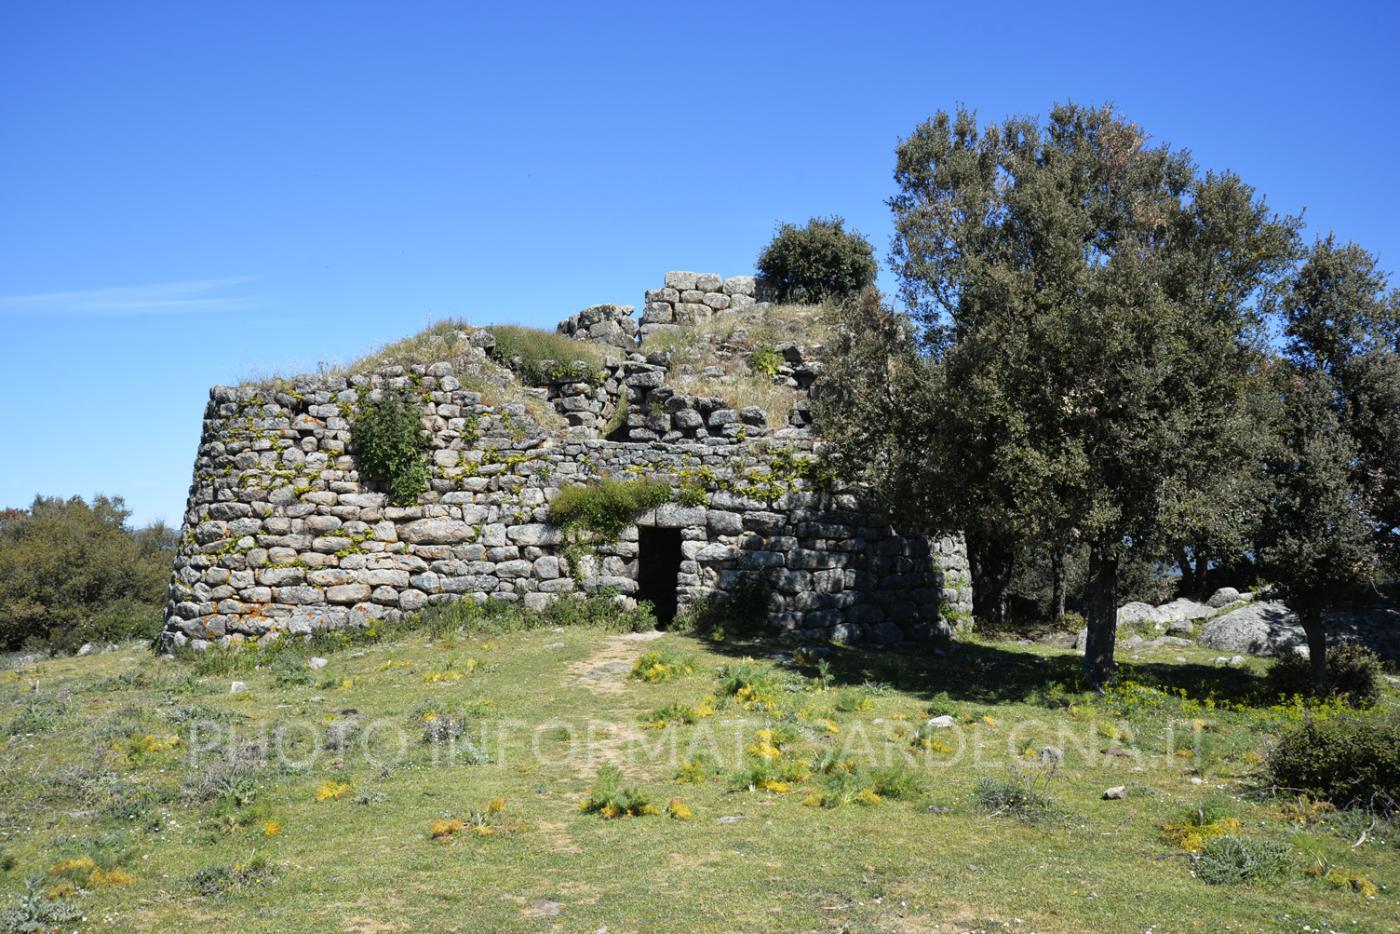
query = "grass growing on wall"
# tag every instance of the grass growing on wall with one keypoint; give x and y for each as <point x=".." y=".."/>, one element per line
<point x="538" y="356"/>
<point x="730" y="356"/>
<point x="607" y="507"/>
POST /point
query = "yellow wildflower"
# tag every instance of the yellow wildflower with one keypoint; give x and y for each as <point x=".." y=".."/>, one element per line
<point x="442" y="829"/>
<point x="331" y="790"/>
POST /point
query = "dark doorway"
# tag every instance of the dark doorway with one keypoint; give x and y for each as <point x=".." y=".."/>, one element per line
<point x="658" y="563"/>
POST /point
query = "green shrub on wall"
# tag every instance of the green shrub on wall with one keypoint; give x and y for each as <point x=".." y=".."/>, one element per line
<point x="391" y="446"/>
<point x="820" y="261"/>
<point x="607" y="507"/>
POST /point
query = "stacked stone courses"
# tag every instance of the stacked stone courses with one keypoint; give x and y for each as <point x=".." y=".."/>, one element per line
<point x="283" y="537"/>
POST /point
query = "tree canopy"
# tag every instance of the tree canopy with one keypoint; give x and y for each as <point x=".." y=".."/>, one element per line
<point x="1085" y="313"/>
<point x="72" y="570"/>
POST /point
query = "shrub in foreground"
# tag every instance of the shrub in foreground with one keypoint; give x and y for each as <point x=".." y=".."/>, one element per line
<point x="1350" y="760"/>
<point x="610" y="799"/>
<point x="1021" y="796"/>
<point x="1354" y="674"/>
<point x="1230" y="860"/>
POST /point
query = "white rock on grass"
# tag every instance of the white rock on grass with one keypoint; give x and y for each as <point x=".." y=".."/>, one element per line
<point x="942" y="722"/>
<point x="316" y="663"/>
<point x="237" y="687"/>
<point x="1116" y="793"/>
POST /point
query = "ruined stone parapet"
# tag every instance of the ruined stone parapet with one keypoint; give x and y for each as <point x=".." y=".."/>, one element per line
<point x="693" y="296"/>
<point x="607" y="324"/>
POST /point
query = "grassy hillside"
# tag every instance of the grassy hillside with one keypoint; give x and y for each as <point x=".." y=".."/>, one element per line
<point x="137" y="790"/>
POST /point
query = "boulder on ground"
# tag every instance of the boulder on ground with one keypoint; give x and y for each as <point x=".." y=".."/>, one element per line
<point x="1264" y="628"/>
<point x="1184" y="609"/>
<point x="1224" y="597"/>
<point x="1132" y="613"/>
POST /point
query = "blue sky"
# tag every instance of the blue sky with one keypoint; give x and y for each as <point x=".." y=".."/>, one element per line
<point x="193" y="193"/>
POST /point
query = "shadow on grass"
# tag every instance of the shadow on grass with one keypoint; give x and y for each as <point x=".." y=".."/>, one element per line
<point x="983" y="673"/>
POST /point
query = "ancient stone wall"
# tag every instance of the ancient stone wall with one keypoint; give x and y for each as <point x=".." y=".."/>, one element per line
<point x="693" y="296"/>
<point x="282" y="535"/>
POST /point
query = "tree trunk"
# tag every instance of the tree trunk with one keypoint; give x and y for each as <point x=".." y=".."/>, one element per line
<point x="991" y="563"/>
<point x="1202" y="572"/>
<point x="1188" y="572"/>
<point x="1317" y="648"/>
<point x="1103" y="619"/>
<point x="1057" y="583"/>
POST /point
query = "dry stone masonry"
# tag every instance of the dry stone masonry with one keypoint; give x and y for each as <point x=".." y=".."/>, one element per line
<point x="283" y="537"/>
<point x="693" y="296"/>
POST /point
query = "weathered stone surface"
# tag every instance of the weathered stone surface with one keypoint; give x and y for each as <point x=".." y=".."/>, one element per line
<point x="1265" y="628"/>
<point x="436" y="532"/>
<point x="348" y="594"/>
<point x="1184" y="608"/>
<point x="1224" y="597"/>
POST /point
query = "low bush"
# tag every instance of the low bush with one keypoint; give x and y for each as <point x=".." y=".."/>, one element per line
<point x="819" y="261"/>
<point x="698" y="768"/>
<point x="942" y="705"/>
<point x="898" y="782"/>
<point x="217" y="881"/>
<point x="1354" y="674"/>
<point x="610" y="799"/>
<point x="853" y="700"/>
<point x="1020" y="795"/>
<point x="1349" y="761"/>
<point x="675" y="713"/>
<point x="234" y="779"/>
<point x="1206" y="820"/>
<point x="1231" y="860"/>
<point x="38" y="712"/>
<point x="748" y="684"/>
<point x="35" y="911"/>
<point x="660" y="665"/>
<point x="537" y="357"/>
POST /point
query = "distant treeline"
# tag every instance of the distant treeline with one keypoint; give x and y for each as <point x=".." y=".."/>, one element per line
<point x="73" y="572"/>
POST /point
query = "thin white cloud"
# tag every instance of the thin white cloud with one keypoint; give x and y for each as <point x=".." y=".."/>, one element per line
<point x="196" y="296"/>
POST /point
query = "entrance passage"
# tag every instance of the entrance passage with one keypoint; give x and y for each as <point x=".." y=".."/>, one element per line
<point x="658" y="564"/>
